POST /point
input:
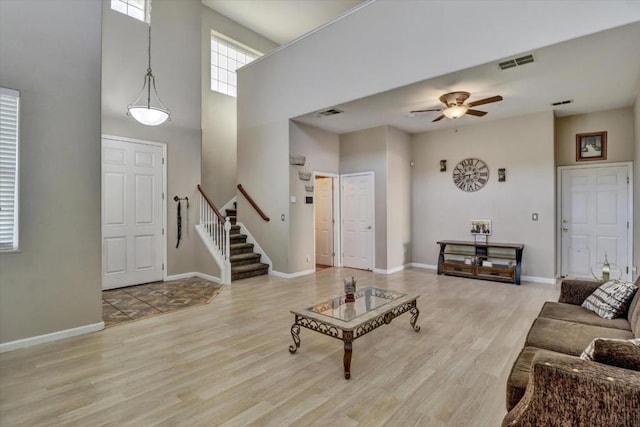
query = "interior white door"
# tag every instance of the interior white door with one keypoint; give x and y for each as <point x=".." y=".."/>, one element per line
<point x="324" y="220"/>
<point x="594" y="221"/>
<point x="357" y="218"/>
<point x="132" y="213"/>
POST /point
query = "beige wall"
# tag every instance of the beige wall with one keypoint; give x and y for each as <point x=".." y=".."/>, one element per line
<point x="636" y="188"/>
<point x="441" y="211"/>
<point x="219" y="117"/>
<point x="398" y="198"/>
<point x="176" y="66"/>
<point x="322" y="152"/>
<point x="619" y="126"/>
<point x="366" y="151"/>
<point x="50" y="51"/>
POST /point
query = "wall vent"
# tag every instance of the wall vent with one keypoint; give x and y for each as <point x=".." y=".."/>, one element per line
<point x="510" y="63"/>
<point x="568" y="101"/>
<point x="329" y="112"/>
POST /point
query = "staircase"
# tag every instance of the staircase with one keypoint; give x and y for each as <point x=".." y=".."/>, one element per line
<point x="244" y="262"/>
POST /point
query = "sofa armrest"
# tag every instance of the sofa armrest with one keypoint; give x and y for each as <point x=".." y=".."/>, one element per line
<point x="576" y="291"/>
<point x="567" y="391"/>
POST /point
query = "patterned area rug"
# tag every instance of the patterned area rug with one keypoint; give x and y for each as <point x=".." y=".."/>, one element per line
<point x="142" y="301"/>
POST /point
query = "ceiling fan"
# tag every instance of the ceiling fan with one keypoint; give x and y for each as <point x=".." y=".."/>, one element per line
<point x="456" y="107"/>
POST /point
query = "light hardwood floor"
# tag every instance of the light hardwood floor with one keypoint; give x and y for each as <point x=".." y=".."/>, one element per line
<point x="227" y="363"/>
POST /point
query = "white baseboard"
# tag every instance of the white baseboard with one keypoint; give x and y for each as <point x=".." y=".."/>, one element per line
<point x="54" y="336"/>
<point x="291" y="275"/>
<point x="391" y="270"/>
<point x="426" y="266"/>
<point x="192" y="274"/>
<point x="534" y="279"/>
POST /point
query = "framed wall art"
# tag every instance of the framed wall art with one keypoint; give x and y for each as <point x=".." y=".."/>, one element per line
<point x="591" y="146"/>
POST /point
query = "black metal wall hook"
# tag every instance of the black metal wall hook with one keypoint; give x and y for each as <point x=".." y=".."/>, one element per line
<point x="177" y="199"/>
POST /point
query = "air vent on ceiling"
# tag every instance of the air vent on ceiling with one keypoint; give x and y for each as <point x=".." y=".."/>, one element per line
<point x="510" y="63"/>
<point x="568" y="101"/>
<point x="329" y="112"/>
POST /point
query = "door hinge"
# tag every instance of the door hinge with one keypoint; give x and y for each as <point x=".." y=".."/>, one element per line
<point x="627" y="225"/>
<point x="333" y="254"/>
<point x="333" y="221"/>
<point x="163" y="266"/>
<point x="163" y="231"/>
<point x="627" y="269"/>
<point x="163" y="160"/>
<point x="163" y="196"/>
<point x="627" y="180"/>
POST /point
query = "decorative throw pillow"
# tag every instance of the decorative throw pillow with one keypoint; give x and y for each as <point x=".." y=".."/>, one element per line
<point x="611" y="299"/>
<point x="614" y="352"/>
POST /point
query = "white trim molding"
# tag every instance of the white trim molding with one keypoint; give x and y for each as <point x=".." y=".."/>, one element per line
<point x="425" y="266"/>
<point x="193" y="274"/>
<point x="53" y="336"/>
<point x="392" y="270"/>
<point x="290" y="275"/>
<point x="535" y="279"/>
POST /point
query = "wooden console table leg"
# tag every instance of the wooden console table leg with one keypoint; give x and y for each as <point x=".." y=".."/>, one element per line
<point x="347" y="337"/>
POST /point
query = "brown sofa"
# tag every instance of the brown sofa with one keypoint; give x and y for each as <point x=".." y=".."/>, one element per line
<point x="549" y="385"/>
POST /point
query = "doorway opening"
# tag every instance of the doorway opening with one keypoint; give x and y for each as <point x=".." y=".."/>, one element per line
<point x="326" y="214"/>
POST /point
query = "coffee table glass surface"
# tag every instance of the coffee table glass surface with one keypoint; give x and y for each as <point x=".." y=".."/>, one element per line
<point x="366" y="300"/>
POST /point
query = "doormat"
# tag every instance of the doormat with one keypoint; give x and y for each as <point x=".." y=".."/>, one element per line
<point x="152" y="299"/>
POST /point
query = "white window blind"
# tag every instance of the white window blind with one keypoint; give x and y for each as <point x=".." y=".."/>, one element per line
<point x="9" y="134"/>
<point x="226" y="57"/>
<point x="138" y="9"/>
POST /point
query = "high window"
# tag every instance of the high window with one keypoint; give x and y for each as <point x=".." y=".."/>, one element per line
<point x="138" y="9"/>
<point x="9" y="136"/>
<point x="226" y="57"/>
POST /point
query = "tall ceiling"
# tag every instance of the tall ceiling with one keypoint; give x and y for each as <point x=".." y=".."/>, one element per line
<point x="597" y="72"/>
<point x="281" y="21"/>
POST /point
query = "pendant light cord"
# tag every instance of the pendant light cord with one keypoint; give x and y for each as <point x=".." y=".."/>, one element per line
<point x="149" y="51"/>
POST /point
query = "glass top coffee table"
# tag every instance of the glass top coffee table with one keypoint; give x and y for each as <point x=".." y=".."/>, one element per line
<point x="346" y="321"/>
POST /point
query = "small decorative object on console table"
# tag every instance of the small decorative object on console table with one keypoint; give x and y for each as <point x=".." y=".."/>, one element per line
<point x="350" y="289"/>
<point x="493" y="261"/>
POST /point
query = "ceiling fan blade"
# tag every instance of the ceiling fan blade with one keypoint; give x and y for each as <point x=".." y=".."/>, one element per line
<point x="424" y="111"/>
<point x="440" y="117"/>
<point x="476" y="113"/>
<point x="485" y="101"/>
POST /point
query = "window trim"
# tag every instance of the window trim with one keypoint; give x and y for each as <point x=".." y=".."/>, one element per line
<point x="4" y="91"/>
<point x="146" y="11"/>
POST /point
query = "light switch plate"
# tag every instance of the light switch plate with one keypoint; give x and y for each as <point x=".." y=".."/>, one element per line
<point x="534" y="217"/>
<point x="293" y="199"/>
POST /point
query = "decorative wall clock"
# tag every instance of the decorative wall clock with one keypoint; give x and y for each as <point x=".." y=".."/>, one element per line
<point x="471" y="174"/>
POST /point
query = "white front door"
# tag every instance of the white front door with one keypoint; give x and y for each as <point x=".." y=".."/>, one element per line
<point x="324" y="220"/>
<point x="357" y="218"/>
<point x="132" y="213"/>
<point x="595" y="221"/>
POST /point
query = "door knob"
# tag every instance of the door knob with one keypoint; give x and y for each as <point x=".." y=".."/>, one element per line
<point x="565" y="229"/>
<point x="369" y="228"/>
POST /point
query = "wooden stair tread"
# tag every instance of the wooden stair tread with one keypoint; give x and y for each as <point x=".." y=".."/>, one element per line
<point x="239" y="257"/>
<point x="249" y="267"/>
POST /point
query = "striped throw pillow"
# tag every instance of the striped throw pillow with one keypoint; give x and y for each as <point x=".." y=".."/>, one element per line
<point x="611" y="300"/>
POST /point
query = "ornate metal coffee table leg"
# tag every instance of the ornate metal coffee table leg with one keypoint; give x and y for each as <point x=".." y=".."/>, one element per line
<point x="347" y="337"/>
<point x="414" y="318"/>
<point x="295" y="334"/>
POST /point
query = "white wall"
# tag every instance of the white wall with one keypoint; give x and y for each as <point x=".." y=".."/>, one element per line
<point x="619" y="126"/>
<point x="524" y="146"/>
<point x="398" y="198"/>
<point x="50" y="51"/>
<point x="636" y="186"/>
<point x="176" y="66"/>
<point x="219" y="148"/>
<point x="322" y="152"/>
<point x="373" y="50"/>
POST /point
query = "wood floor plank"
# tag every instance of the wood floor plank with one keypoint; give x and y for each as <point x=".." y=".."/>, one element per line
<point x="227" y="362"/>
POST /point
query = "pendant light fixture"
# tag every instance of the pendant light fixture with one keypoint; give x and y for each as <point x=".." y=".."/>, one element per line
<point x="147" y="108"/>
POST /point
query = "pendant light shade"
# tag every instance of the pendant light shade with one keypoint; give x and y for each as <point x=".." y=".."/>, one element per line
<point x="147" y="108"/>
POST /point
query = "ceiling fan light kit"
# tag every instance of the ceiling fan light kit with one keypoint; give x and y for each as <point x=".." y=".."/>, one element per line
<point x="455" y="106"/>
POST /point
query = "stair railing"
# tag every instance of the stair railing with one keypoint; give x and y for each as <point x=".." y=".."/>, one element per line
<point x="217" y="228"/>
<point x="255" y="206"/>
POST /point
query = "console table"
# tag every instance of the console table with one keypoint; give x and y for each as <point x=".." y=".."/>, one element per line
<point x="487" y="261"/>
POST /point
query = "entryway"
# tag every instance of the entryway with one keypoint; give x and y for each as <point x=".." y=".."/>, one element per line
<point x="326" y="213"/>
<point x="133" y="207"/>
<point x="595" y="218"/>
